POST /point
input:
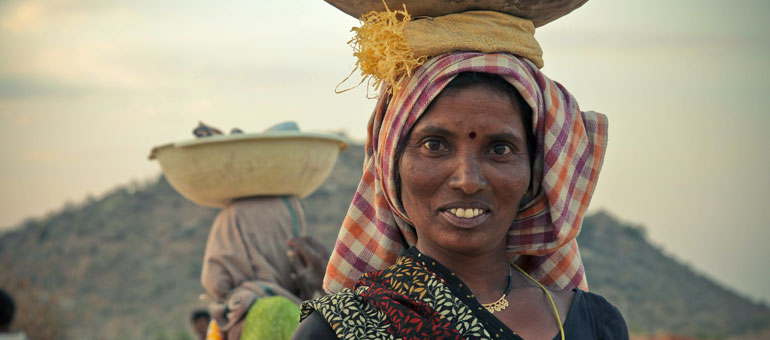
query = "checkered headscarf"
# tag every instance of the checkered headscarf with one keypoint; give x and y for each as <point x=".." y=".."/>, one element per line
<point x="569" y="153"/>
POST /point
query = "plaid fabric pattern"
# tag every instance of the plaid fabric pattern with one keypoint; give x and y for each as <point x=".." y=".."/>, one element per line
<point x="569" y="154"/>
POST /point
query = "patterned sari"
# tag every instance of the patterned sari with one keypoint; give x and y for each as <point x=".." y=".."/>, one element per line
<point x="416" y="298"/>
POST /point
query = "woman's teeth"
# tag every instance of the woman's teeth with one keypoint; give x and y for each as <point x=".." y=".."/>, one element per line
<point x="466" y="213"/>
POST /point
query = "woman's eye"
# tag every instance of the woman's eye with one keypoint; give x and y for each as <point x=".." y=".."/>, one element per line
<point x="502" y="149"/>
<point x="433" y="145"/>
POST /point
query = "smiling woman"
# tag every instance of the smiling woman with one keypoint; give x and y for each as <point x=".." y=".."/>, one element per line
<point x="477" y="175"/>
<point x="476" y="185"/>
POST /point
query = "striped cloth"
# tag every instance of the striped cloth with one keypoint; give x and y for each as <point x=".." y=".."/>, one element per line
<point x="569" y="154"/>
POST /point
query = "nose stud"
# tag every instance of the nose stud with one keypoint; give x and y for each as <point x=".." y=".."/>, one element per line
<point x="472" y="135"/>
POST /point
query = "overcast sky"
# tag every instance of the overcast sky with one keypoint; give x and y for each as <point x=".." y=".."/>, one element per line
<point x="88" y="87"/>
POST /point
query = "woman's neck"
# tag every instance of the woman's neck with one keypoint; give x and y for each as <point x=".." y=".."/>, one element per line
<point x="485" y="273"/>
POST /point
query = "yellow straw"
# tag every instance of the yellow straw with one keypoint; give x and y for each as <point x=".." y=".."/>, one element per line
<point x="383" y="53"/>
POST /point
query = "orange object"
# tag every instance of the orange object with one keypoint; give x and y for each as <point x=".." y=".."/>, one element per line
<point x="213" y="332"/>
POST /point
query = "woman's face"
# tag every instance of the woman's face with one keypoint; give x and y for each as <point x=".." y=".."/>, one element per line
<point x="464" y="170"/>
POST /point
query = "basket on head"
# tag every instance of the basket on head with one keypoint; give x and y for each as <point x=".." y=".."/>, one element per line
<point x="215" y="170"/>
<point x="540" y="12"/>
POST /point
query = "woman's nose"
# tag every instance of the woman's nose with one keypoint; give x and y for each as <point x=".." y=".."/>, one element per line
<point x="468" y="176"/>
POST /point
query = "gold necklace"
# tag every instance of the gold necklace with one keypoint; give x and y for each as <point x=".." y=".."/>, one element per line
<point x="502" y="302"/>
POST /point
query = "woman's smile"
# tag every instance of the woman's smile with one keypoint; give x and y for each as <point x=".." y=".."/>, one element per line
<point x="465" y="218"/>
<point x="465" y="214"/>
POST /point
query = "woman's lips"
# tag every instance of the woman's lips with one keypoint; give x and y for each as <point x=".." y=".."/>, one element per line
<point x="474" y="217"/>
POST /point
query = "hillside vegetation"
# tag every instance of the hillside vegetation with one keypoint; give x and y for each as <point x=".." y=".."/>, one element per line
<point x="127" y="266"/>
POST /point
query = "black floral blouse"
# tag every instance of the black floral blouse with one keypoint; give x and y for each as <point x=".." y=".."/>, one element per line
<point x="418" y="298"/>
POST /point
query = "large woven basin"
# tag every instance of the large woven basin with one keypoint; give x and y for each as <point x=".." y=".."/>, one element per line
<point x="540" y="12"/>
<point x="212" y="171"/>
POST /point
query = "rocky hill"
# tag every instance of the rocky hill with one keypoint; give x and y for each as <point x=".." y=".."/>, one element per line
<point x="656" y="293"/>
<point x="127" y="266"/>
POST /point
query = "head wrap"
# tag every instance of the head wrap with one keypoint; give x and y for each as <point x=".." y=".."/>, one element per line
<point x="389" y="45"/>
<point x="569" y="153"/>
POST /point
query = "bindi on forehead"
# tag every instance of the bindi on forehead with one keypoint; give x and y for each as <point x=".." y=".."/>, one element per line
<point x="472" y="135"/>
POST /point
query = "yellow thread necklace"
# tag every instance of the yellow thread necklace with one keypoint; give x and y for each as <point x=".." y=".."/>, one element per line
<point x="550" y="299"/>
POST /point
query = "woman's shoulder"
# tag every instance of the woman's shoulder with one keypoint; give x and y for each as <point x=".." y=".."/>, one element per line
<point x="314" y="327"/>
<point x="592" y="309"/>
<point x="317" y="315"/>
<point x="597" y="305"/>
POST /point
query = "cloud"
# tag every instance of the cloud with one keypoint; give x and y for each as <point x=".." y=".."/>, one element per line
<point x="23" y="17"/>
<point x="23" y="87"/>
<point x="30" y="16"/>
